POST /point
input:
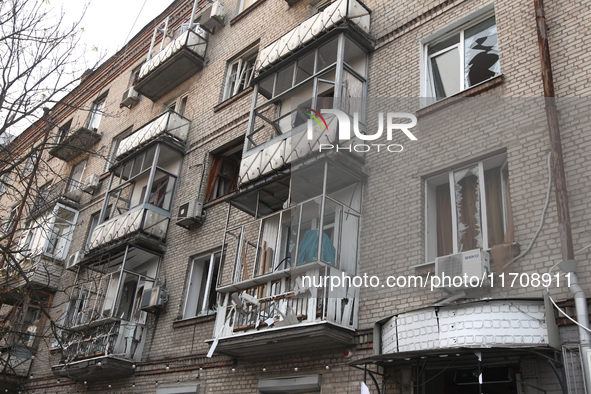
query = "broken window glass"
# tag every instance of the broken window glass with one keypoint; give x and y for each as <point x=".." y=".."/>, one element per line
<point x="327" y="55"/>
<point x="467" y="192"/>
<point x="305" y="68"/>
<point x="481" y="57"/>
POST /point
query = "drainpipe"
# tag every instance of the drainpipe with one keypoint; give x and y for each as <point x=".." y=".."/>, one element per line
<point x="569" y="265"/>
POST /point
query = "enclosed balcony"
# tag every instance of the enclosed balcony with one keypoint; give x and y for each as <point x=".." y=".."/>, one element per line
<point x="72" y="143"/>
<point x="288" y="122"/>
<point x="103" y="329"/>
<point x="267" y="306"/>
<point x="170" y="125"/>
<point x="139" y="198"/>
<point x="182" y="58"/>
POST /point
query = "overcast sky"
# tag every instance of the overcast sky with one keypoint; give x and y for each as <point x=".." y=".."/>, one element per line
<point x="108" y="23"/>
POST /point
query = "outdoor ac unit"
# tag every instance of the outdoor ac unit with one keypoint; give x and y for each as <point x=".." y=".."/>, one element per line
<point x="212" y="16"/>
<point x="469" y="264"/>
<point x="74" y="195"/>
<point x="153" y="299"/>
<point x="91" y="183"/>
<point x="73" y="260"/>
<point x="190" y="214"/>
<point x="130" y="97"/>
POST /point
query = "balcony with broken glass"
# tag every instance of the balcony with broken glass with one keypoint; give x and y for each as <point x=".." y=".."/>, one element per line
<point x="181" y="55"/>
<point x="140" y="193"/>
<point x="313" y="68"/>
<point x="262" y="292"/>
<point x="103" y="328"/>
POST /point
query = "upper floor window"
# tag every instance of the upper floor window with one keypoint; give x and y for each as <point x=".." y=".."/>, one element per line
<point x="5" y="182"/>
<point x="223" y="173"/>
<point x="75" y="181"/>
<point x="179" y="105"/>
<point x="63" y="131"/>
<point x="10" y="222"/>
<point x="96" y="113"/>
<point x="461" y="59"/>
<point x="201" y="294"/>
<point x="114" y="146"/>
<point x="239" y="74"/>
<point x="30" y="163"/>
<point x="244" y="4"/>
<point x="468" y="208"/>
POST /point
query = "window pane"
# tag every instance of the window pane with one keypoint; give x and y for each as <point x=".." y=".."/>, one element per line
<point x="330" y="231"/>
<point x="266" y="86"/>
<point x="327" y="55"/>
<point x="308" y="232"/>
<point x="481" y="52"/>
<point x="445" y="73"/>
<point x="355" y="56"/>
<point x="467" y="193"/>
<point x="284" y="80"/>
<point x="305" y="68"/>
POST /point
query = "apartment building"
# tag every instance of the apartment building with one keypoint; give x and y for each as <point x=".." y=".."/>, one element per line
<point x="190" y="195"/>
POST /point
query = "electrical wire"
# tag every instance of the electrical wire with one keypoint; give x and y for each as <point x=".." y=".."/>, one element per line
<point x="548" y="191"/>
<point x="134" y="22"/>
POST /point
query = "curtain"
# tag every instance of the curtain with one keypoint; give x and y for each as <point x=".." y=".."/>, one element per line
<point x="494" y="206"/>
<point x="444" y="221"/>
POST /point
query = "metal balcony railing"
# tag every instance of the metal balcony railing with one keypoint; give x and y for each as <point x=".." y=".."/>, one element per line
<point x="169" y="123"/>
<point x="66" y="190"/>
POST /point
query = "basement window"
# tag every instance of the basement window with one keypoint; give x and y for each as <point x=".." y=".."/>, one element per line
<point x="460" y="58"/>
<point x="468" y="208"/>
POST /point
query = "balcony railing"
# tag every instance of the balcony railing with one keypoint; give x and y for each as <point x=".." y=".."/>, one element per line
<point x="75" y="143"/>
<point x="16" y="361"/>
<point x="169" y="123"/>
<point x="107" y="351"/>
<point x="341" y="11"/>
<point x="144" y="219"/>
<point x="41" y="272"/>
<point x="67" y="191"/>
<point x="177" y="62"/>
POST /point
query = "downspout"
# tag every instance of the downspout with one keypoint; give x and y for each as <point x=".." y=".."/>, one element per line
<point x="569" y="265"/>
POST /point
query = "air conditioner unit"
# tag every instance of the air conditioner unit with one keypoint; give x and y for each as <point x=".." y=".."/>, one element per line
<point x="153" y="299"/>
<point x="190" y="214"/>
<point x="73" y="260"/>
<point x="91" y="183"/>
<point x="467" y="265"/>
<point x="130" y="97"/>
<point x="212" y="16"/>
<point x="74" y="195"/>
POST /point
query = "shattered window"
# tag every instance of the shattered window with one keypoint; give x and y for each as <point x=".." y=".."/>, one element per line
<point x="467" y="58"/>
<point x="469" y="209"/>
<point x="201" y="294"/>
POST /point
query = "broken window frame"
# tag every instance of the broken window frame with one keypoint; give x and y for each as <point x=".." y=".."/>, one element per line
<point x="455" y="30"/>
<point x="241" y="70"/>
<point x="232" y="155"/>
<point x="196" y="282"/>
<point x="263" y="99"/>
<point x="431" y="226"/>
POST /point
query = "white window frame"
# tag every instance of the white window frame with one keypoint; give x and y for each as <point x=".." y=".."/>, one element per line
<point x="76" y="184"/>
<point x="96" y="113"/>
<point x="244" y="68"/>
<point x="180" y="102"/>
<point x="242" y="8"/>
<point x="5" y="182"/>
<point x="191" y="309"/>
<point x="457" y="27"/>
<point x="10" y="219"/>
<point x="498" y="161"/>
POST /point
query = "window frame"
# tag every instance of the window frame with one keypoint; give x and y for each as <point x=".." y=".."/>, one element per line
<point x="5" y="182"/>
<point x="76" y="184"/>
<point x="248" y="59"/>
<point x="10" y="223"/>
<point x="217" y="158"/>
<point x="95" y="114"/>
<point x="242" y="8"/>
<point x="447" y="177"/>
<point x="458" y="27"/>
<point x="115" y="145"/>
<point x="30" y="163"/>
<point x="179" y="102"/>
<point x="215" y="258"/>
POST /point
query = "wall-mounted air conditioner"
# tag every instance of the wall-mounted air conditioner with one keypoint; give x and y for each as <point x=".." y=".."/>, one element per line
<point x="469" y="265"/>
<point x="73" y="260"/>
<point x="91" y="183"/>
<point x="190" y="214"/>
<point x="153" y="299"/>
<point x="212" y="16"/>
<point x="130" y="97"/>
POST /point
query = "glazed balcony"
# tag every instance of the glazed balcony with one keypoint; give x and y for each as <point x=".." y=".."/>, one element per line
<point x="169" y="125"/>
<point x="145" y="220"/>
<point x="75" y="142"/>
<point x="267" y="301"/>
<point x="286" y="122"/>
<point x="182" y="58"/>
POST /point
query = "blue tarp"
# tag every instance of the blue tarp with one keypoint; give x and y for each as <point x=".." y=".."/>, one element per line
<point x="308" y="250"/>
